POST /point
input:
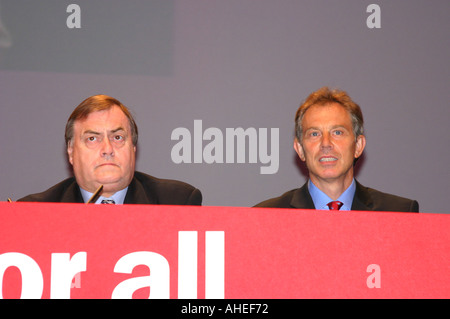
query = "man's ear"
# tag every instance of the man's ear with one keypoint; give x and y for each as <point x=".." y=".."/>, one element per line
<point x="70" y="152"/>
<point x="299" y="149"/>
<point x="360" y="145"/>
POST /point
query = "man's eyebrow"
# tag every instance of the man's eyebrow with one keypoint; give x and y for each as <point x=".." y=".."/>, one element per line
<point x="117" y="130"/>
<point x="91" y="132"/>
<point x="311" y="128"/>
<point x="339" y="126"/>
<point x="98" y="133"/>
<point x="332" y="127"/>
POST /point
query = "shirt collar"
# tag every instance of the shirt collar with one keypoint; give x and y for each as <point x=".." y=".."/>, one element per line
<point x="321" y="200"/>
<point x="118" y="197"/>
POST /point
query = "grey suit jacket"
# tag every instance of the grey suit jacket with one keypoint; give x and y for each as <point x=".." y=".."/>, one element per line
<point x="366" y="199"/>
<point x="143" y="189"/>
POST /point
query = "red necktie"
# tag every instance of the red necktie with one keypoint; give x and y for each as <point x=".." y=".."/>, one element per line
<point x="335" y="205"/>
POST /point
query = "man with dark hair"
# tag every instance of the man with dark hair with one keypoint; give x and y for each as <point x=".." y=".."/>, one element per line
<point x="329" y="129"/>
<point x="101" y="139"/>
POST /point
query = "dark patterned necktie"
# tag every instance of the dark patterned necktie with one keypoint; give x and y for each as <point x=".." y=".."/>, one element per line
<point x="108" y="201"/>
<point x="335" y="205"/>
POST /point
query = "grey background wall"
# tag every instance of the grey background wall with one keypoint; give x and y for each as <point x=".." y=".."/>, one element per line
<point x="230" y="64"/>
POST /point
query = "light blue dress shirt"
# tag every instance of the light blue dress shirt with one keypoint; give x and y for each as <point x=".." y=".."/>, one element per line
<point x="321" y="200"/>
<point x="118" y="197"/>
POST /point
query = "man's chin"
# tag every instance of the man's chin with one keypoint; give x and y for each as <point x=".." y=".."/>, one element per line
<point x="108" y="180"/>
<point x="333" y="176"/>
<point x="113" y="183"/>
<point x="112" y="187"/>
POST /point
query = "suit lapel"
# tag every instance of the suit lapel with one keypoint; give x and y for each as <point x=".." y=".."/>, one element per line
<point x="137" y="194"/>
<point x="302" y="199"/>
<point x="362" y="199"/>
<point x="72" y="194"/>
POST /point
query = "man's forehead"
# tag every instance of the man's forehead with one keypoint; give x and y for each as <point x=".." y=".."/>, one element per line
<point x="110" y="119"/>
<point x="324" y="112"/>
<point x="326" y="105"/>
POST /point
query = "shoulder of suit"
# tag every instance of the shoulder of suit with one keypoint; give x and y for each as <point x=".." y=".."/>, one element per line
<point x="280" y="201"/>
<point x="382" y="201"/>
<point x="167" y="191"/>
<point x="148" y="180"/>
<point x="379" y="194"/>
<point x="51" y="194"/>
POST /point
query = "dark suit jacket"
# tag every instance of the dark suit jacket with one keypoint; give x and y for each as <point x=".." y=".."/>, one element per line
<point x="143" y="189"/>
<point x="366" y="199"/>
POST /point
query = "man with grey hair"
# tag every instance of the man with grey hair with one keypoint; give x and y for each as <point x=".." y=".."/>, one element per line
<point x="329" y="129"/>
<point x="101" y="139"/>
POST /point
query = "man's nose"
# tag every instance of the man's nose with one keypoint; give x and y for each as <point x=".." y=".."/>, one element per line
<point x="107" y="148"/>
<point x="326" y="141"/>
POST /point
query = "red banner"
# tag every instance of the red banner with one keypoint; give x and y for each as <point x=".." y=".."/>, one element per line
<point x="144" y="251"/>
